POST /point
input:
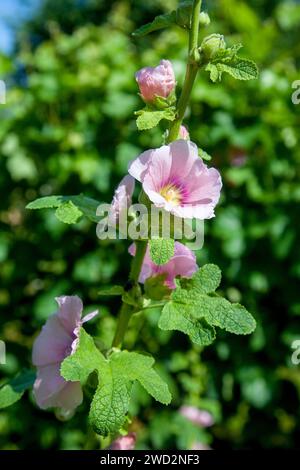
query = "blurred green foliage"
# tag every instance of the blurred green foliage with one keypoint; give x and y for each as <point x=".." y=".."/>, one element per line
<point x="68" y="127"/>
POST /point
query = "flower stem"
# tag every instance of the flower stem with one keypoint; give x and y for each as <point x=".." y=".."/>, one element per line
<point x="190" y="74"/>
<point x="127" y="310"/>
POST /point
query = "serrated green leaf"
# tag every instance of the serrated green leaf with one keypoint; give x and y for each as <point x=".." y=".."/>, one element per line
<point x="180" y="17"/>
<point x="110" y="403"/>
<point x="86" y="358"/>
<point x="111" y="291"/>
<point x="68" y="213"/>
<point x="241" y="69"/>
<point x="159" y="22"/>
<point x="161" y="250"/>
<point x="149" y="119"/>
<point x="115" y="377"/>
<point x="84" y="205"/>
<point x="140" y="367"/>
<point x="13" y="390"/>
<point x="206" y="280"/>
<point x="213" y="72"/>
<point x="176" y="316"/>
<point x="220" y="312"/>
<point x="191" y="305"/>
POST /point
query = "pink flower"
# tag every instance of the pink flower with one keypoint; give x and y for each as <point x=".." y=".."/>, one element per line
<point x="182" y="264"/>
<point x="199" y="417"/>
<point x="175" y="178"/>
<point x="156" y="81"/>
<point x="122" y="199"/>
<point x="57" y="340"/>
<point x="124" y="442"/>
<point x="184" y="133"/>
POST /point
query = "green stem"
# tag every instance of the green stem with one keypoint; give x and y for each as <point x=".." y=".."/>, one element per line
<point x="141" y="247"/>
<point x="127" y="310"/>
<point x="190" y="74"/>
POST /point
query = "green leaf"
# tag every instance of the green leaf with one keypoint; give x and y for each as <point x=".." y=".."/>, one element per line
<point x="213" y="72"/>
<point x="111" y="401"/>
<point x="149" y="119"/>
<point x="111" y="291"/>
<point x="86" y="358"/>
<point x="194" y="312"/>
<point x="176" y="316"/>
<point x="231" y="317"/>
<point x="115" y="377"/>
<point x="68" y="208"/>
<point x="161" y="250"/>
<point x="159" y="22"/>
<point x="180" y="17"/>
<point x="207" y="279"/>
<point x="204" y="155"/>
<point x="68" y="213"/>
<point x="13" y="390"/>
<point x="140" y="367"/>
<point x="241" y="69"/>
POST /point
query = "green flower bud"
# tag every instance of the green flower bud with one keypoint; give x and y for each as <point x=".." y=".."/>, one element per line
<point x="204" y="19"/>
<point x="212" y="44"/>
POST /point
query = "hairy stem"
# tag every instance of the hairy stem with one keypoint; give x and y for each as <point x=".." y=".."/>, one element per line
<point x="127" y="310"/>
<point x="190" y="74"/>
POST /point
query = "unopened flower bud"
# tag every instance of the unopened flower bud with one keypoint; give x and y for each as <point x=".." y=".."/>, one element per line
<point x="212" y="44"/>
<point x="204" y="19"/>
<point x="156" y="81"/>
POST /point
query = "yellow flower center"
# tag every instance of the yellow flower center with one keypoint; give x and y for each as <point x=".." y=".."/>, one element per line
<point x="171" y="194"/>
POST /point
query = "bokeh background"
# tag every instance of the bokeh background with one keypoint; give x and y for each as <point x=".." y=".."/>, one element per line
<point x="68" y="127"/>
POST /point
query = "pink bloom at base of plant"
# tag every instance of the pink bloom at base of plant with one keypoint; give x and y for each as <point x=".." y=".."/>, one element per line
<point x="124" y="442"/>
<point x="156" y="81"/>
<point x="175" y="179"/>
<point x="57" y="340"/>
<point x="199" y="417"/>
<point x="122" y="199"/>
<point x="183" y="263"/>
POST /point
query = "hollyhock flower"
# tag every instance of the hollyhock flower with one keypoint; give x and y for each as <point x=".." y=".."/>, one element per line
<point x="199" y="417"/>
<point x="182" y="264"/>
<point x="122" y="198"/>
<point x="124" y="442"/>
<point x="57" y="340"/>
<point x="175" y="178"/>
<point x="184" y="133"/>
<point x="156" y="81"/>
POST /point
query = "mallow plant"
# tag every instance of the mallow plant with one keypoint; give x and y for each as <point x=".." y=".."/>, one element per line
<point x="176" y="182"/>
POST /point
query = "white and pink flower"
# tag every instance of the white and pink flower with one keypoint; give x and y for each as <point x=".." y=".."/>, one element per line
<point x="175" y="178"/>
<point x="183" y="264"/>
<point x="156" y="81"/>
<point x="57" y="340"/>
